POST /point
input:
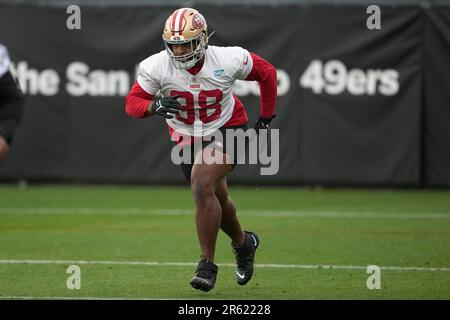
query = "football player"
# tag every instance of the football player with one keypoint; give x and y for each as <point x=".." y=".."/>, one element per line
<point x="11" y="103"/>
<point x="194" y="81"/>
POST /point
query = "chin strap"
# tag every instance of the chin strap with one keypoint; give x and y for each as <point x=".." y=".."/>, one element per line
<point x="214" y="31"/>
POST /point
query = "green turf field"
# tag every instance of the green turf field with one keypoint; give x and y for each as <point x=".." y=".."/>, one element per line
<point x="140" y="242"/>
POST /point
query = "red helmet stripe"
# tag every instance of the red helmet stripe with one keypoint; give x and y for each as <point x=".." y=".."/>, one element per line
<point x="180" y="24"/>
<point x="174" y="17"/>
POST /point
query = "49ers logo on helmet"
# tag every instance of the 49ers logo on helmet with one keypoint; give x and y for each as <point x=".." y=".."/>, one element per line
<point x="198" y="21"/>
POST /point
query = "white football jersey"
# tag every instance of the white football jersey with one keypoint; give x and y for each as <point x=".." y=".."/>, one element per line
<point x="206" y="98"/>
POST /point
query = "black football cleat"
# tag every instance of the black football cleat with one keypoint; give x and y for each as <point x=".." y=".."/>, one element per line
<point x="245" y="257"/>
<point x="205" y="277"/>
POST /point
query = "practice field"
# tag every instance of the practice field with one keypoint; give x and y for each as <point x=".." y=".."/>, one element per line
<point x="141" y="243"/>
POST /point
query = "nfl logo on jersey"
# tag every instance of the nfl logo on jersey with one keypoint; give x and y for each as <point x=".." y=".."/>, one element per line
<point x="218" y="72"/>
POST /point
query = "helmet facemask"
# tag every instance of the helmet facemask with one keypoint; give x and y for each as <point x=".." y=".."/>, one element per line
<point x="188" y="60"/>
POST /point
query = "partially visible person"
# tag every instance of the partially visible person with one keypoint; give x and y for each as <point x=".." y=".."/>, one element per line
<point x="11" y="103"/>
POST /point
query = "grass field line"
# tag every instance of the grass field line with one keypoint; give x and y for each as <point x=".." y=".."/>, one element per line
<point x="259" y="213"/>
<point x="193" y="264"/>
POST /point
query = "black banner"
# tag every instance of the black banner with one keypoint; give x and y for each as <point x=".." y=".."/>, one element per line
<point x="356" y="106"/>
<point x="436" y="112"/>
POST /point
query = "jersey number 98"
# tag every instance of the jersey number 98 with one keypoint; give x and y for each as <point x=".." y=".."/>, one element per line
<point x="203" y="106"/>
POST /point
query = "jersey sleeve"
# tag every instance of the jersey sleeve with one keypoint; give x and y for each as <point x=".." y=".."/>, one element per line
<point x="266" y="75"/>
<point x="242" y="62"/>
<point x="150" y="74"/>
<point x="137" y="102"/>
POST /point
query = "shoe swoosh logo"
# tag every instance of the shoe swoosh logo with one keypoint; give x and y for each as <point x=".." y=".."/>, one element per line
<point x="241" y="276"/>
<point x="254" y="240"/>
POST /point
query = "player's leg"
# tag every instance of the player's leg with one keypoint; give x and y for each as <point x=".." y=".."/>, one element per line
<point x="208" y="211"/>
<point x="208" y="214"/>
<point x="230" y="223"/>
<point x="245" y="243"/>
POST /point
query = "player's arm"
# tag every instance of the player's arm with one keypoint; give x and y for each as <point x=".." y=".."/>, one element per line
<point x="11" y="109"/>
<point x="137" y="102"/>
<point x="266" y="75"/>
<point x="141" y="104"/>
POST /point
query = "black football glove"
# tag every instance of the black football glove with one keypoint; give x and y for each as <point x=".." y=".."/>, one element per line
<point x="166" y="107"/>
<point x="263" y="123"/>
